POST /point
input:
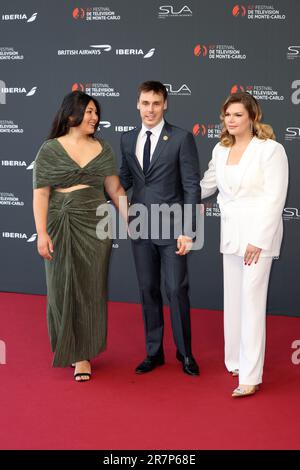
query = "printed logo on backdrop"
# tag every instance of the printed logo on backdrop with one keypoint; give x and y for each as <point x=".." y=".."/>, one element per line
<point x="175" y="90"/>
<point x="8" y="90"/>
<point x="140" y="52"/>
<point x="295" y="96"/>
<point x="99" y="49"/>
<point x="260" y="92"/>
<point x="19" y="17"/>
<point x="169" y="11"/>
<point x="96" y="89"/>
<point x="219" y="52"/>
<point x="211" y="209"/>
<point x="9" y="53"/>
<point x="10" y="127"/>
<point x="20" y="236"/>
<point x="209" y="131"/>
<point x="116" y="127"/>
<point x="17" y="164"/>
<point x="293" y="52"/>
<point x="95" y="14"/>
<point x="123" y="128"/>
<point x="291" y="213"/>
<point x="257" y="12"/>
<point x="9" y="199"/>
<point x="104" y="125"/>
<point x="95" y="49"/>
<point x="292" y="133"/>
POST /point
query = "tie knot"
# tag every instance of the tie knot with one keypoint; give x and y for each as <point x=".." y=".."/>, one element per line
<point x="148" y="133"/>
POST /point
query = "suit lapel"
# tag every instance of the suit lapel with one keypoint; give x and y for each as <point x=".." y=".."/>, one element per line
<point x="222" y="165"/>
<point x="161" y="144"/>
<point x="244" y="163"/>
<point x="135" y="134"/>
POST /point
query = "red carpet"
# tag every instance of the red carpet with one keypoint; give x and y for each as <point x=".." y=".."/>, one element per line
<point x="43" y="408"/>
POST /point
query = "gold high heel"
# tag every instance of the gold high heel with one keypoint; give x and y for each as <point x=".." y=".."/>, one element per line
<point x="234" y="372"/>
<point x="244" y="391"/>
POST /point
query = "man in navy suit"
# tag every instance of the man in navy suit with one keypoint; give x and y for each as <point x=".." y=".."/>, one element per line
<point x="160" y="163"/>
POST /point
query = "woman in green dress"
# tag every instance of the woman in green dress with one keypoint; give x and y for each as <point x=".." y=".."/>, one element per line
<point x="72" y="169"/>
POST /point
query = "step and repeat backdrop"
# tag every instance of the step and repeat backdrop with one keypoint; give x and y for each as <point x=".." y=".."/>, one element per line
<point x="202" y="50"/>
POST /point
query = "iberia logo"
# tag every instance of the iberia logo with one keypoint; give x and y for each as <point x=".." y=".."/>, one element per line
<point x="199" y="128"/>
<point x="236" y="89"/>
<point x="239" y="10"/>
<point x="78" y="87"/>
<point x="78" y="13"/>
<point x="200" y="50"/>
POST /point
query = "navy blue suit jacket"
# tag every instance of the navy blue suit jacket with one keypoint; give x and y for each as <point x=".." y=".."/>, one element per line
<point x="173" y="175"/>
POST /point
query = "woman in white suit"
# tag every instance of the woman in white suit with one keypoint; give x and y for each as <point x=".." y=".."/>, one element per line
<point x="250" y="171"/>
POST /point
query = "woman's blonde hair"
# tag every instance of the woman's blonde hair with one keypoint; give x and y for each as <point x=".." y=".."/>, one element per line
<point x="260" y="130"/>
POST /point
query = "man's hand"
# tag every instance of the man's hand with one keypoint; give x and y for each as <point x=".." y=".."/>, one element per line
<point x="184" y="244"/>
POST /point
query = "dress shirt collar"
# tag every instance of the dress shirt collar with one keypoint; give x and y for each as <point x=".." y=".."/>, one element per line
<point x="155" y="130"/>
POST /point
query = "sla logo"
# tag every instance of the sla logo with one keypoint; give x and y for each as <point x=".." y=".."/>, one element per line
<point x="183" y="90"/>
<point x="21" y="16"/>
<point x="168" y="11"/>
<point x="292" y="133"/>
<point x="149" y="54"/>
<point x="294" y="52"/>
<point x="78" y="13"/>
<point x="291" y="213"/>
<point x="199" y="128"/>
<point x="200" y="50"/>
<point x="295" y="97"/>
<point x="239" y="10"/>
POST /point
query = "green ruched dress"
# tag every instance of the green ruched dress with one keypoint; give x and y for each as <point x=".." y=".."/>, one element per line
<point x="77" y="275"/>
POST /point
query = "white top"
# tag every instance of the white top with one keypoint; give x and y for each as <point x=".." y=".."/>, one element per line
<point x="232" y="175"/>
<point x="140" y="143"/>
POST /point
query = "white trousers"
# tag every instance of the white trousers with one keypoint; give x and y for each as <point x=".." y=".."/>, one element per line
<point x="245" y="298"/>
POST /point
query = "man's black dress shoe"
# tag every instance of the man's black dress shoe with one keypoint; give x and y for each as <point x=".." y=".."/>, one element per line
<point x="189" y="365"/>
<point x="149" y="364"/>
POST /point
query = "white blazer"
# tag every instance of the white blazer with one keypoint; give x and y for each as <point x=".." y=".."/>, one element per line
<point x="252" y="212"/>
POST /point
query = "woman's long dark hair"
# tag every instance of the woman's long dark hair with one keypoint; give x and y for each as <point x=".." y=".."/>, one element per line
<point x="71" y="113"/>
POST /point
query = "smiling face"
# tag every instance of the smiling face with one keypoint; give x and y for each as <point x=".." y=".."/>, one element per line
<point x="237" y="120"/>
<point x="90" y="119"/>
<point x="151" y="106"/>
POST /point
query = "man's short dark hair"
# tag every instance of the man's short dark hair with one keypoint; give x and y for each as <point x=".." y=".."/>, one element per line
<point x="156" y="87"/>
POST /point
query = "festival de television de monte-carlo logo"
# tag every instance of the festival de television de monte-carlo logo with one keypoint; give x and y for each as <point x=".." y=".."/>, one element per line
<point x="257" y="12"/>
<point x="95" y="14"/>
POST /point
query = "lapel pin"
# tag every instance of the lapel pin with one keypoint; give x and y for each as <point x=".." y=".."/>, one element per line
<point x="165" y="137"/>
